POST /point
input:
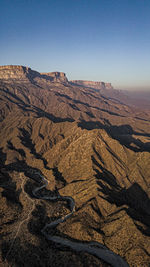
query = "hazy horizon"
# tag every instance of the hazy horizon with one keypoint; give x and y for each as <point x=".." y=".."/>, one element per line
<point x="102" y="41"/>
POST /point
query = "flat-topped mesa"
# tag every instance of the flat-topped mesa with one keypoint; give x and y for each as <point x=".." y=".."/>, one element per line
<point x="56" y="76"/>
<point x="14" y="73"/>
<point x="17" y="74"/>
<point x="92" y="84"/>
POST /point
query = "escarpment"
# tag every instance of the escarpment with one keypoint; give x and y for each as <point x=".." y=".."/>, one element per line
<point x="12" y="73"/>
<point x="92" y="84"/>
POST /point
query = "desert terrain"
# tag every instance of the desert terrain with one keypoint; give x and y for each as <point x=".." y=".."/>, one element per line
<point x="75" y="154"/>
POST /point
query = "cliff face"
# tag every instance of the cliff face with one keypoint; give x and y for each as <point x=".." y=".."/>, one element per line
<point x="92" y="84"/>
<point x="55" y="76"/>
<point x="14" y="73"/>
<point x="24" y="74"/>
<point x="17" y="73"/>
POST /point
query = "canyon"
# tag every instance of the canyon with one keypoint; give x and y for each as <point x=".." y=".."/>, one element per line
<point x="91" y="144"/>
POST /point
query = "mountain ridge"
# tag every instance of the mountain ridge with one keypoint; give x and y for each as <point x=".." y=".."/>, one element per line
<point x="22" y="73"/>
<point x="88" y="145"/>
<point x="92" y="84"/>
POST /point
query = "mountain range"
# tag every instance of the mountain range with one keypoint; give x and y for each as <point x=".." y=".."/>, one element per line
<point x="91" y="143"/>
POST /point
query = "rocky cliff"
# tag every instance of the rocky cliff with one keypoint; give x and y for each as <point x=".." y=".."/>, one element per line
<point x="16" y="73"/>
<point x="92" y="84"/>
<point x="55" y="76"/>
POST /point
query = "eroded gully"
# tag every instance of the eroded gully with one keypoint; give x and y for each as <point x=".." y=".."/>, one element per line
<point x="94" y="248"/>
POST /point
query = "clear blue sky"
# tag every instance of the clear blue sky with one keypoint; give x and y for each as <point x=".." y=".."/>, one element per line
<point x="107" y="40"/>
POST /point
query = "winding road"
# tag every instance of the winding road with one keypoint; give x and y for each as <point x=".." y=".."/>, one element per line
<point x="94" y="248"/>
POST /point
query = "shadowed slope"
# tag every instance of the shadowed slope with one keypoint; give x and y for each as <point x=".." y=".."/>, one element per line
<point x="89" y="146"/>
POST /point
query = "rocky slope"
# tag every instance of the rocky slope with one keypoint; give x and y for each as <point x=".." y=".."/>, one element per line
<point x="19" y="74"/>
<point x="89" y="146"/>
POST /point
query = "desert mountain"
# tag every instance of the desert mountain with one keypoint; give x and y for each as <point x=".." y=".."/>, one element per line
<point x="22" y="74"/>
<point x="92" y="84"/>
<point x="89" y="145"/>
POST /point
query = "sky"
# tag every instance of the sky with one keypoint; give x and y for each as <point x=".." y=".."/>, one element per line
<point x="99" y="40"/>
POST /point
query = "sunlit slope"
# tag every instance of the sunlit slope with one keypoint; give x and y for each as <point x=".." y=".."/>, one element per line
<point x="90" y="147"/>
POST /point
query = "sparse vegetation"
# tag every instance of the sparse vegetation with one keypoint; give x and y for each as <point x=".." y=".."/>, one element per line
<point x="88" y="146"/>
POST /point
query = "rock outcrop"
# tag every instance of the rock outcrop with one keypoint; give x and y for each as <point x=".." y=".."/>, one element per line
<point x="92" y="84"/>
<point x="55" y="76"/>
<point x="16" y="73"/>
